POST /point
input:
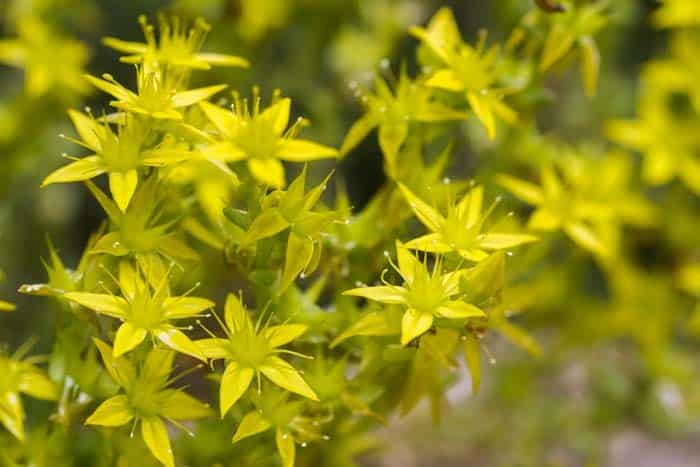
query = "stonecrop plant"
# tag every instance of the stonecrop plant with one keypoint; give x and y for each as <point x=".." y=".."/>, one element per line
<point x="327" y="319"/>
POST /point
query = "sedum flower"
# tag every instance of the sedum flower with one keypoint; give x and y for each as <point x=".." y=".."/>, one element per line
<point x="392" y="112"/>
<point x="294" y="211"/>
<point x="177" y="45"/>
<point x="145" y="310"/>
<point x="52" y="63"/>
<point x="425" y="295"/>
<point x="146" y="399"/>
<point x="261" y="138"/>
<point x="677" y="13"/>
<point x="274" y="411"/>
<point x="557" y="208"/>
<point x="576" y="27"/>
<point x="20" y="376"/>
<point x="119" y="154"/>
<point x="473" y="71"/>
<point x="251" y="351"/>
<point x="157" y="94"/>
<point x="141" y="232"/>
<point x="461" y="229"/>
<point x="664" y="158"/>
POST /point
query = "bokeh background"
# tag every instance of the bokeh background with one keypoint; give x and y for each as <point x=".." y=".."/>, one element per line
<point x="586" y="401"/>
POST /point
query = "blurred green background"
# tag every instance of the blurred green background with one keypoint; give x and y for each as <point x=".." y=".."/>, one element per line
<point x="585" y="403"/>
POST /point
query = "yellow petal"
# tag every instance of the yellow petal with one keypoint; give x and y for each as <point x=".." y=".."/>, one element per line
<point x="426" y="214"/>
<point x="88" y="129"/>
<point x="222" y="60"/>
<point x="283" y="334"/>
<point x="115" y="411"/>
<point x="234" y="383"/>
<point x="482" y="109"/>
<point x="284" y="375"/>
<point x="224" y="120"/>
<point x="155" y="435"/>
<point x="252" y="424"/>
<point x="278" y="114"/>
<point x="109" y="305"/>
<point x="128" y="336"/>
<point x="446" y="79"/>
<point x="192" y="96"/>
<point x="526" y="191"/>
<point x="185" y="307"/>
<point x="82" y="169"/>
<point x="122" y="185"/>
<point x="299" y="252"/>
<point x="414" y="324"/>
<point x="459" y="310"/>
<point x="500" y="241"/>
<point x="300" y="150"/>
<point x="285" y="447"/>
<point x="268" y="171"/>
<point x="178" y="341"/>
<point x="382" y="293"/>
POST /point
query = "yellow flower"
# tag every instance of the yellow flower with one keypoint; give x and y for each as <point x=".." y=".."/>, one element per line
<point x="261" y="138"/>
<point x="425" y="295"/>
<point x="157" y="94"/>
<point x="21" y="376"/>
<point x="146" y="399"/>
<point x="473" y="71"/>
<point x="119" y="154"/>
<point x="145" y="311"/>
<point x="52" y="63"/>
<point x="177" y="46"/>
<point x="251" y="351"/>
<point x="677" y="13"/>
<point x="392" y="112"/>
<point x="461" y="230"/>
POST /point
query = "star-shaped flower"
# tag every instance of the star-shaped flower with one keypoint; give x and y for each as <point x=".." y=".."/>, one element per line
<point x="261" y="138"/>
<point x="146" y="399"/>
<point x="462" y="229"/>
<point x="249" y="351"/>
<point x="145" y="310"/>
<point x="425" y="295"/>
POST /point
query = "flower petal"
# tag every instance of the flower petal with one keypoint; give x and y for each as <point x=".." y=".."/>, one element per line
<point x="500" y="241"/>
<point x="252" y="424"/>
<point x="128" y="336"/>
<point x="300" y="150"/>
<point x="432" y="219"/>
<point x="109" y="305"/>
<point x="268" y="171"/>
<point x="382" y="293"/>
<point x="122" y="185"/>
<point x="458" y="309"/>
<point x="192" y="96"/>
<point x="115" y="411"/>
<point x="414" y="324"/>
<point x="185" y="307"/>
<point x="283" y="334"/>
<point x="286" y="376"/>
<point x="178" y="341"/>
<point x="82" y="169"/>
<point x="178" y="405"/>
<point x="285" y="447"/>
<point x="155" y="435"/>
<point x="234" y="383"/>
